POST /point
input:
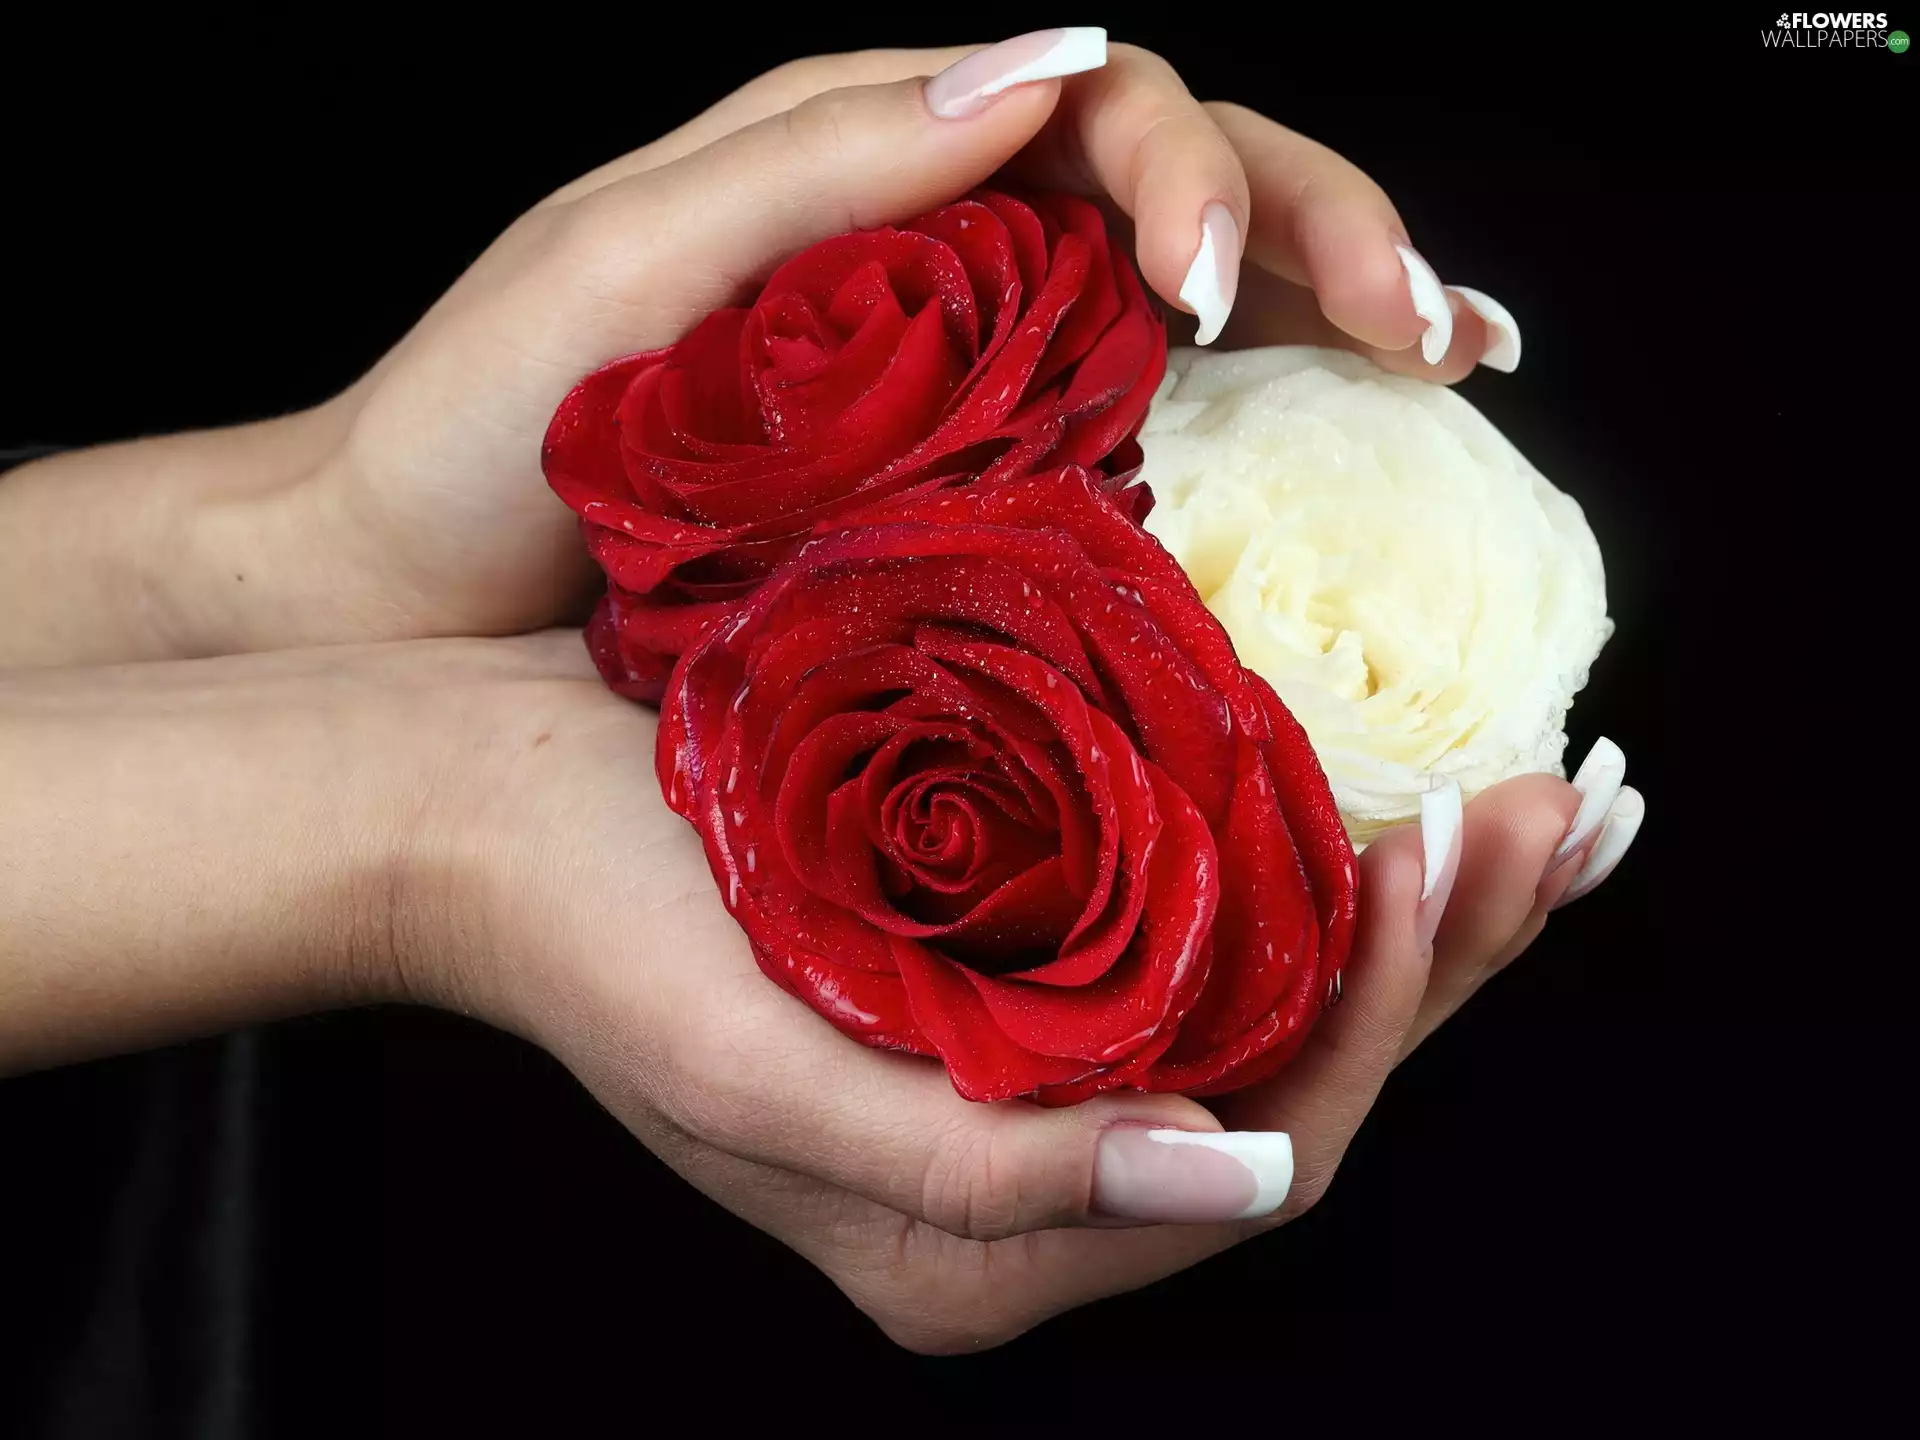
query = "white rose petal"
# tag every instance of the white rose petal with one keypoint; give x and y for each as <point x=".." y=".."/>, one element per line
<point x="1422" y="599"/>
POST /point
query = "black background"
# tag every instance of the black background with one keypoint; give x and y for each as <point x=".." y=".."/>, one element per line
<point x="1589" y="1187"/>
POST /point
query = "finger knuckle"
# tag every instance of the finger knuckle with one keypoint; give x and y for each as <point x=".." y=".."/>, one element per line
<point x="818" y="126"/>
<point x="971" y="1188"/>
<point x="602" y="232"/>
<point x="719" y="1078"/>
<point x="1231" y="112"/>
<point x="1139" y="59"/>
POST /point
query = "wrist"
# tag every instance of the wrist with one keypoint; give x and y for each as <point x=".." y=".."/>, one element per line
<point x="471" y="907"/>
<point x="262" y="562"/>
<point x="188" y="847"/>
<point x="142" y="550"/>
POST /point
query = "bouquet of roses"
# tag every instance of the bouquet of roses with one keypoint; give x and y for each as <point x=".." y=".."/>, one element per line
<point x="989" y="764"/>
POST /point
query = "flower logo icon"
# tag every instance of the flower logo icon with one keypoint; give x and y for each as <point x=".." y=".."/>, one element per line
<point x="1784" y="22"/>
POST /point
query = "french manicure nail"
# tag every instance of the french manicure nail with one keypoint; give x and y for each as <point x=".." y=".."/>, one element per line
<point x="1214" y="275"/>
<point x="1598" y="781"/>
<point x="1191" y="1177"/>
<point x="1429" y="303"/>
<point x="969" y="85"/>
<point x="1503" y="346"/>
<point x="1440" y="816"/>
<point x="1629" y="808"/>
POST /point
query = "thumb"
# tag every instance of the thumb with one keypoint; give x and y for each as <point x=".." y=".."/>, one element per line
<point x="687" y="237"/>
<point x="767" y="1082"/>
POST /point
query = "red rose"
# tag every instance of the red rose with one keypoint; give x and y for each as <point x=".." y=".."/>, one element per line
<point x="980" y="340"/>
<point x="981" y="777"/>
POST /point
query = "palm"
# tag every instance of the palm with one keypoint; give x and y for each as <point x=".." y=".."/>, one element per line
<point x="627" y="965"/>
<point x="441" y="466"/>
<point x="619" y="866"/>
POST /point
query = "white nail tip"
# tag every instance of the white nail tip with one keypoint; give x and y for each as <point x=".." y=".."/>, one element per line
<point x="1440" y="814"/>
<point x="1503" y="353"/>
<point x="1598" y="781"/>
<point x="1267" y="1153"/>
<point x="1205" y="290"/>
<point x="1080" y="48"/>
<point x="1429" y="303"/>
<point x="1616" y="834"/>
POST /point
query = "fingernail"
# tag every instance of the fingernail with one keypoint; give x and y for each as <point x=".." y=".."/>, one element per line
<point x="1503" y="346"/>
<point x="970" y="85"/>
<point x="1191" y="1177"/>
<point x="1214" y="275"/>
<point x="1616" y="834"/>
<point x="1440" y="813"/>
<point x="1429" y="303"/>
<point x="1598" y="781"/>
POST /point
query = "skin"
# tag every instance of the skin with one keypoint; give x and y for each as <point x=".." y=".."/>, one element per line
<point x="247" y="829"/>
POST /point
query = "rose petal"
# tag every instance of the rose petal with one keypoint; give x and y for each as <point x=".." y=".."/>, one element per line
<point x="581" y="452"/>
<point x="1266" y="936"/>
<point x="1097" y="303"/>
<point x="1108" y="1019"/>
<point x="1026" y="234"/>
<point x="921" y="269"/>
<point x="871" y="1006"/>
<point x="983" y="1063"/>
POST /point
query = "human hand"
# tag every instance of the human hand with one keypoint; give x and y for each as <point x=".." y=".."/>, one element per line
<point x="413" y="504"/>
<point x="477" y="825"/>
<point x="434" y="473"/>
<point x="597" y="932"/>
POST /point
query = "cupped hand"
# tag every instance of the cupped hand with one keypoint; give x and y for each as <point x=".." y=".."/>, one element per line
<point x="597" y="931"/>
<point x="427" y="514"/>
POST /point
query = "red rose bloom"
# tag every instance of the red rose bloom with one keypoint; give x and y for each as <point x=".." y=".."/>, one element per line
<point x="981" y="778"/>
<point x="978" y="341"/>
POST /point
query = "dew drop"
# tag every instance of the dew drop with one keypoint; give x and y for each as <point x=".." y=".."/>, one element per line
<point x="751" y="863"/>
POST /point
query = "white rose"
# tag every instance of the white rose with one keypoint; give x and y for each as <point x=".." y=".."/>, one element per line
<point x="1422" y="599"/>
